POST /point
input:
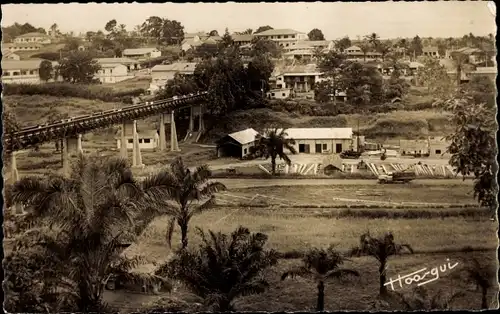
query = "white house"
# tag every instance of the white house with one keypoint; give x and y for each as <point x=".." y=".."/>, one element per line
<point x="356" y="53"/>
<point x="243" y="39"/>
<point x="33" y="38"/>
<point x="321" y="140"/>
<point x="300" y="78"/>
<point x="142" y="53"/>
<point x="130" y="64"/>
<point x="112" y="73"/>
<point x="323" y="45"/>
<point x="237" y="144"/>
<point x="191" y="43"/>
<point x="161" y="73"/>
<point x="22" y="71"/>
<point x="148" y="139"/>
<point x="22" y="46"/>
<point x="283" y="37"/>
<point x="282" y="93"/>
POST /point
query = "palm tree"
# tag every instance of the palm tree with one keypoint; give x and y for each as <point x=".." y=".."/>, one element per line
<point x="460" y="60"/>
<point x="373" y="39"/>
<point x="381" y="249"/>
<point x="481" y="276"/>
<point x="273" y="144"/>
<point x="224" y="267"/>
<point x="320" y="265"/>
<point x="84" y="223"/>
<point x="189" y="193"/>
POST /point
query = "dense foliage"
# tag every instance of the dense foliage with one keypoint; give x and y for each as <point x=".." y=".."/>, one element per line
<point x="321" y="265"/>
<point x="72" y="90"/>
<point x="81" y="224"/>
<point x="79" y="67"/>
<point x="223" y="267"/>
<point x="272" y="145"/>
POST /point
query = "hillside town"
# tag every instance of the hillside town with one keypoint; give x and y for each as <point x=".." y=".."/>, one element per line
<point x="164" y="168"/>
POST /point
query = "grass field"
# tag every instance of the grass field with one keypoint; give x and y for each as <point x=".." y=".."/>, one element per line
<point x="433" y="240"/>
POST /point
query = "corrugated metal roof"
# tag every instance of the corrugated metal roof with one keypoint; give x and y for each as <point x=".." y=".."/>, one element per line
<point x="186" y="67"/>
<point x="489" y="70"/>
<point x="319" y="133"/>
<point x="116" y="60"/>
<point x="32" y="64"/>
<point x="299" y="52"/>
<point x="38" y="45"/>
<point x="34" y="34"/>
<point x="138" y="51"/>
<point x="303" y="69"/>
<point x="245" y="136"/>
<point x="272" y="32"/>
<point x="244" y="37"/>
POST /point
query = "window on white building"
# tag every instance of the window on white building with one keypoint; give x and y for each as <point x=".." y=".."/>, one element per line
<point x="130" y="140"/>
<point x="147" y="140"/>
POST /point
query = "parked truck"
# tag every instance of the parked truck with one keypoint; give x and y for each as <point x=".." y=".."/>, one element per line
<point x="350" y="154"/>
<point x="397" y="177"/>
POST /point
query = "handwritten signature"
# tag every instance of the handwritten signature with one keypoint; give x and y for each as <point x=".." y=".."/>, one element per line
<point x="414" y="277"/>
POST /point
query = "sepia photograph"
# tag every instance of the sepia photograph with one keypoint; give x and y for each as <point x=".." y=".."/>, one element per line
<point x="249" y="157"/>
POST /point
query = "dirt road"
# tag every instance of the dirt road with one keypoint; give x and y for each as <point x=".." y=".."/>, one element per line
<point x="244" y="183"/>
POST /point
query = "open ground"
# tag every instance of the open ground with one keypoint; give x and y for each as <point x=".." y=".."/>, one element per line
<point x="292" y="229"/>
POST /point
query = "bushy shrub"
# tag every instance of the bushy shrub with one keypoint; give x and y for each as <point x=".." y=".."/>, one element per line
<point x="72" y="90"/>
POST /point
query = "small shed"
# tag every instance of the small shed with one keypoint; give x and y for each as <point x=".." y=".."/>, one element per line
<point x="237" y="144"/>
<point x="331" y="164"/>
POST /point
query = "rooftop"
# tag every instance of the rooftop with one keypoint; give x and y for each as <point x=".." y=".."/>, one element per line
<point x="138" y="51"/>
<point x="116" y="60"/>
<point x="299" y="52"/>
<point x="319" y="133"/>
<point x="7" y="45"/>
<point x="244" y="37"/>
<point x="430" y="49"/>
<point x="272" y="32"/>
<point x="34" y="34"/>
<point x="175" y="67"/>
<point x="312" y="43"/>
<point x="30" y="64"/>
<point x="245" y="136"/>
<point x="304" y="69"/>
<point x="486" y="70"/>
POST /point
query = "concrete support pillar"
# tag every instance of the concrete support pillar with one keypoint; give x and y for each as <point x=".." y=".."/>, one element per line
<point x="79" y="147"/>
<point x="65" y="157"/>
<point x="123" y="143"/>
<point x="163" y="140"/>
<point x="174" y="145"/>
<point x="136" y="152"/>
<point x="13" y="167"/>
<point x="191" y="119"/>
<point x="202" y="125"/>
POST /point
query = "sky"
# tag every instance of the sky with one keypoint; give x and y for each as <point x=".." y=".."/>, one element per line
<point x="388" y="19"/>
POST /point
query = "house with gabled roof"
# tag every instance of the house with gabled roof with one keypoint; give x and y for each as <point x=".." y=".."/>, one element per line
<point x="283" y="37"/>
<point x="237" y="144"/>
<point x="161" y="73"/>
<point x="22" y="71"/>
<point x="142" y="53"/>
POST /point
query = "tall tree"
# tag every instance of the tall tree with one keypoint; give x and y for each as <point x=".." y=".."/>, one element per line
<point x="384" y="48"/>
<point x="173" y="32"/>
<point x="224" y="267"/>
<point x="248" y="31"/>
<point x="110" y="27"/>
<point x="45" y="71"/>
<point x="264" y="46"/>
<point x="190" y="193"/>
<point x="273" y="144"/>
<point x="227" y="40"/>
<point x="362" y="83"/>
<point x="153" y="27"/>
<point x="321" y="265"/>
<point x="79" y="67"/>
<point x="374" y="40"/>
<point x="381" y="249"/>
<point x="262" y="29"/>
<point x="54" y="28"/>
<point x="416" y="47"/>
<point x="434" y="76"/>
<point x="316" y="34"/>
<point x="473" y="146"/>
<point x="330" y="64"/>
<point x="365" y="49"/>
<point x="82" y="223"/>
<point x="343" y="43"/>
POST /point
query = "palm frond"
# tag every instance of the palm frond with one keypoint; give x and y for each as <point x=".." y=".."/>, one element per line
<point x="338" y="273"/>
<point x="211" y="188"/>
<point x="195" y="210"/>
<point x="300" y="271"/>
